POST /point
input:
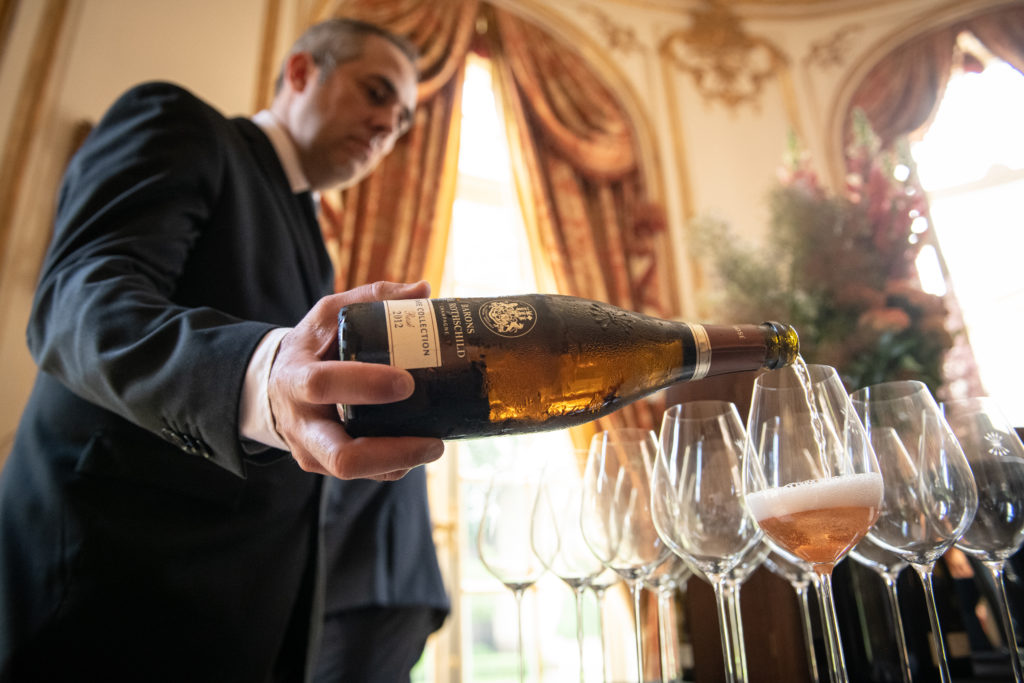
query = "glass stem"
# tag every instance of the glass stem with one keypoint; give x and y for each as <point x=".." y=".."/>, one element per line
<point x="636" y="588"/>
<point x="897" y="620"/>
<point x="725" y="628"/>
<point x="739" y="650"/>
<point x="925" y="572"/>
<point x="805" y="612"/>
<point x="599" y="597"/>
<point x="579" y="591"/>
<point x="995" y="568"/>
<point x="668" y="659"/>
<point x="518" y="593"/>
<point x="837" y="665"/>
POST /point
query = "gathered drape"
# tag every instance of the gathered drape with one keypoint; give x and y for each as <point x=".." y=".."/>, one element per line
<point x="901" y="93"/>
<point x="578" y="178"/>
<point x="393" y="225"/>
<point x="1003" y="34"/>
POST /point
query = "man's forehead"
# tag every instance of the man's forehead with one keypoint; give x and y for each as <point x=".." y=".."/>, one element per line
<point x="386" y="59"/>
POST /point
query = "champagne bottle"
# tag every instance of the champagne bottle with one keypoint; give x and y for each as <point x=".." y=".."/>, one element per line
<point x="504" y="365"/>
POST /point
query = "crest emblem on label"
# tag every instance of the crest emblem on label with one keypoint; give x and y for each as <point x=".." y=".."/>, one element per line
<point x="508" y="318"/>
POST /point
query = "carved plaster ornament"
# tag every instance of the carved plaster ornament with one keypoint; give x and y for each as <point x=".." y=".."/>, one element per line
<point x="727" y="64"/>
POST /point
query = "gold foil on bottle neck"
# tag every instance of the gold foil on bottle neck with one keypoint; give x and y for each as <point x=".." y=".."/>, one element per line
<point x="702" y="345"/>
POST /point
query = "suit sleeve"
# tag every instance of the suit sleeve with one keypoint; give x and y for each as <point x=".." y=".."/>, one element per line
<point x="135" y="201"/>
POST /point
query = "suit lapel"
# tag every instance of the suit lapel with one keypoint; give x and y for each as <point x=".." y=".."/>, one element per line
<point x="301" y="221"/>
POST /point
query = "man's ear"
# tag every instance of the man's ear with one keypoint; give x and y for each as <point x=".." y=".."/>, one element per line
<point x="299" y="70"/>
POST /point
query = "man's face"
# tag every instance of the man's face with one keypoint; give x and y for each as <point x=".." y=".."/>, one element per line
<point x="345" y="124"/>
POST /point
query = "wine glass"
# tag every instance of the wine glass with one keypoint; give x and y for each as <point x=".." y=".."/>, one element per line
<point x="557" y="537"/>
<point x="748" y="564"/>
<point x="504" y="538"/>
<point x="930" y="495"/>
<point x="996" y="456"/>
<point x="810" y="477"/>
<point x="800" y="576"/>
<point x="616" y="517"/>
<point x="599" y="585"/>
<point x="697" y="501"/>
<point x="888" y="566"/>
<point x="664" y="581"/>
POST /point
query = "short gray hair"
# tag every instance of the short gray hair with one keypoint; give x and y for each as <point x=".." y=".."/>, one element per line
<point x="339" y="40"/>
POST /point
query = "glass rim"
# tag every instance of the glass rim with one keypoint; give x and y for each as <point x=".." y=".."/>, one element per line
<point x="783" y="379"/>
<point x="894" y="390"/>
<point x="702" y="409"/>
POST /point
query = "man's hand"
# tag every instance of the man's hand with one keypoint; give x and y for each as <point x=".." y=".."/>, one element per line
<point x="305" y="391"/>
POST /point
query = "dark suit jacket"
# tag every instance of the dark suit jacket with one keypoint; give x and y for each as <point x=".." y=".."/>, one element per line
<point x="138" y="539"/>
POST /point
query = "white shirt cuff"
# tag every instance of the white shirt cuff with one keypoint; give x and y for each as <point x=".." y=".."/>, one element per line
<point x="255" y="421"/>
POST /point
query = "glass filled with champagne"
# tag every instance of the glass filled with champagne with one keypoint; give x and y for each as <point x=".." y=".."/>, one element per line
<point x="811" y="479"/>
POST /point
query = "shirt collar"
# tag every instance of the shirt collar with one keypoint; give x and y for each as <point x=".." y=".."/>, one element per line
<point x="284" y="147"/>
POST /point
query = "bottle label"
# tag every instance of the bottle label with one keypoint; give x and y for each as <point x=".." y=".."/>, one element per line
<point x="412" y="334"/>
<point x="702" y="348"/>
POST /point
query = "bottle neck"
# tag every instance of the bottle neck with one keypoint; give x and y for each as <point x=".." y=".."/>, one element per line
<point x="722" y="349"/>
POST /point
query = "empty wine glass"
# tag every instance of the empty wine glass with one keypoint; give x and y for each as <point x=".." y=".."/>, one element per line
<point x="504" y="538"/>
<point x="810" y="477"/>
<point x="599" y="585"/>
<point x="800" y="576"/>
<point x="664" y="581"/>
<point x="616" y="518"/>
<point x="748" y="564"/>
<point x="888" y="566"/>
<point x="557" y="536"/>
<point x="697" y="499"/>
<point x="930" y="496"/>
<point x="996" y="456"/>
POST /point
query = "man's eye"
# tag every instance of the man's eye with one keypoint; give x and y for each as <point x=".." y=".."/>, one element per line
<point x="377" y="95"/>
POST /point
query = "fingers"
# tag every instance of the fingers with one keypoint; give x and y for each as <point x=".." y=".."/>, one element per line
<point x="326" y="448"/>
<point x="319" y="327"/>
<point x="381" y="291"/>
<point x="351" y="382"/>
<point x="304" y="390"/>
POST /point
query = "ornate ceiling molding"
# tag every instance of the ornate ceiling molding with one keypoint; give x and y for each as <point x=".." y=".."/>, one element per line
<point x="726" y="63"/>
<point x="618" y="38"/>
<point x="834" y="50"/>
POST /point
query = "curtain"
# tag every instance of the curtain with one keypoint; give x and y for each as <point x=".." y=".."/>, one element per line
<point x="393" y="225"/>
<point x="577" y="174"/>
<point x="1003" y="34"/>
<point x="903" y="90"/>
<point x="902" y="93"/>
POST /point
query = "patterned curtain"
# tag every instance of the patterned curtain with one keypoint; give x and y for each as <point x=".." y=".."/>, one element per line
<point x="580" y="187"/>
<point x="393" y="225"/>
<point x="900" y="94"/>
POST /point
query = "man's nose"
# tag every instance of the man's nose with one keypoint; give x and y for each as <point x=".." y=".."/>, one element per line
<point x="388" y="119"/>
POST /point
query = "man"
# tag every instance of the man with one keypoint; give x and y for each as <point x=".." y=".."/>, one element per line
<point x="159" y="510"/>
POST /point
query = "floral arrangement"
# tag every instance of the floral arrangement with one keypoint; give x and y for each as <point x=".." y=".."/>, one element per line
<point x="841" y="269"/>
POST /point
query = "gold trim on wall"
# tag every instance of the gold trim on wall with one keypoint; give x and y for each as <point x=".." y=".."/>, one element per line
<point x="618" y="38"/>
<point x="726" y="63"/>
<point x="28" y="111"/>
<point x="762" y="9"/>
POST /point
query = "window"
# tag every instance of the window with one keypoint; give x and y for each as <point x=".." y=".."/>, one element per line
<point x="488" y="254"/>
<point x="971" y="163"/>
